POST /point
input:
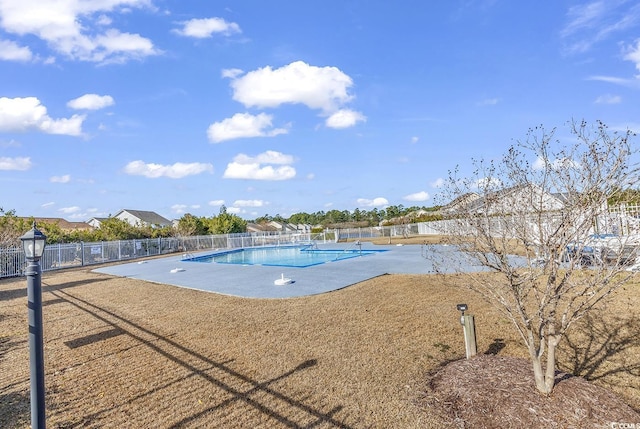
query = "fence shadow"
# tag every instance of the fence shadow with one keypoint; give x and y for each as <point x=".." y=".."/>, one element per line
<point x="15" y="410"/>
<point x="292" y="412"/>
<point x="20" y="289"/>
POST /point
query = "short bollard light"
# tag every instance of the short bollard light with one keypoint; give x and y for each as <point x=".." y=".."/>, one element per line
<point x="33" y="243"/>
<point x="462" y="308"/>
<point x="469" y="331"/>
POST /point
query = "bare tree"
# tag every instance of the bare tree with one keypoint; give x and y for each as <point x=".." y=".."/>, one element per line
<point x="545" y="200"/>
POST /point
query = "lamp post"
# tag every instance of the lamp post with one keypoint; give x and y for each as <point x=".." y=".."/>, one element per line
<point x="33" y="243"/>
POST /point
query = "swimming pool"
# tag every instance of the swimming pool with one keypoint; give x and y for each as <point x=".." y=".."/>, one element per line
<point x="282" y="256"/>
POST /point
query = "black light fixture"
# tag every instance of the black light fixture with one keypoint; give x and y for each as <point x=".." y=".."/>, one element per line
<point x="33" y="242"/>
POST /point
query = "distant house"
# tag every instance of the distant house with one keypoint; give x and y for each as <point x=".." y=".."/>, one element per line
<point x="460" y="203"/>
<point x="64" y="225"/>
<point x="522" y="199"/>
<point x="257" y="227"/>
<point x="142" y="218"/>
<point x="282" y="227"/>
<point x="96" y="221"/>
<point x="279" y="227"/>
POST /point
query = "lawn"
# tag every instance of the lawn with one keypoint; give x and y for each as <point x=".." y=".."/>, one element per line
<point x="125" y="353"/>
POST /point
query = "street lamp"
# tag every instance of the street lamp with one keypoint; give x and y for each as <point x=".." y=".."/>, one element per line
<point x="33" y="243"/>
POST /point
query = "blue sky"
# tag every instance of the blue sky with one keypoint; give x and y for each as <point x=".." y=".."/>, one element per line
<point x="279" y="107"/>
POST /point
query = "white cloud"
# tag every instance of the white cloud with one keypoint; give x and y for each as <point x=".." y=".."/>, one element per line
<point x="438" y="183"/>
<point x="231" y="73"/>
<point x="268" y="157"/>
<point x="608" y="99"/>
<point x="556" y="164"/>
<point x="179" y="208"/>
<point x="243" y="125"/>
<point x="216" y="202"/>
<point x="91" y="102"/>
<point x="624" y="127"/>
<point x="324" y="88"/>
<point x="234" y="210"/>
<point x="248" y="203"/>
<point x="175" y="171"/>
<point x="60" y="179"/>
<point x="418" y="196"/>
<point x="11" y="51"/>
<point x="103" y="21"/>
<point x="69" y="210"/>
<point x="204" y="28"/>
<point x="376" y="202"/>
<point x="595" y="21"/>
<point x="182" y="208"/>
<point x="628" y="82"/>
<point x="69" y="127"/>
<point x="15" y="164"/>
<point x="414" y="139"/>
<point x="344" y="118"/>
<point x="489" y="183"/>
<point x="246" y="167"/>
<point x="66" y="27"/>
<point x="117" y="47"/>
<point x="488" y="102"/>
<point x="539" y="164"/>
<point x="26" y="114"/>
<point x="633" y="54"/>
<point x="257" y="172"/>
<point x="10" y="143"/>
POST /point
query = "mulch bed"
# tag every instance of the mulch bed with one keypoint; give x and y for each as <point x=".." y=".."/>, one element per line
<point x="489" y="391"/>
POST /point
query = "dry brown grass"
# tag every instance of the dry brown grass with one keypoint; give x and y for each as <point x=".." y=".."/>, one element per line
<point x="127" y="353"/>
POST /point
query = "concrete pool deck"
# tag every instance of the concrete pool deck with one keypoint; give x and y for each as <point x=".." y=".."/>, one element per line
<point x="257" y="281"/>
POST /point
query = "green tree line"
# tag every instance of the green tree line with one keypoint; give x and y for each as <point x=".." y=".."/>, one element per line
<point x="12" y="227"/>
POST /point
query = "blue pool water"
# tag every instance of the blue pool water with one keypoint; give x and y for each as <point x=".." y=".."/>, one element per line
<point x="281" y="256"/>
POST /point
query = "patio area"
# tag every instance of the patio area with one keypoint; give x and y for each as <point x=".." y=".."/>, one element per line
<point x="256" y="281"/>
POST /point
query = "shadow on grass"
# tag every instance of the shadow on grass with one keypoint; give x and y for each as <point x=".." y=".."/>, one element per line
<point x="295" y="413"/>
<point x="602" y="350"/>
<point x="15" y="411"/>
<point x="21" y="288"/>
<point x="496" y="346"/>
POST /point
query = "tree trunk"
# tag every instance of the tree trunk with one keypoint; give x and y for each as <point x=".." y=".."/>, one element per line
<point x="545" y="380"/>
<point x="538" y="373"/>
<point x="550" y="376"/>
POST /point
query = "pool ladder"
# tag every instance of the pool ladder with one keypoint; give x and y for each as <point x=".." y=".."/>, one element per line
<point x="357" y="244"/>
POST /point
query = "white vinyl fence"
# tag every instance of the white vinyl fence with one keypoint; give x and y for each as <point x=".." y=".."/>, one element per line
<point x="621" y="221"/>
<point x="67" y="255"/>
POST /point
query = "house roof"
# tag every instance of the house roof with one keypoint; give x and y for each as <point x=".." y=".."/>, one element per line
<point x="152" y="218"/>
<point x="460" y="203"/>
<point x="63" y="224"/>
<point x="505" y="199"/>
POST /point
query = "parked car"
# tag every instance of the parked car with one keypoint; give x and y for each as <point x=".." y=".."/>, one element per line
<point x="603" y="249"/>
